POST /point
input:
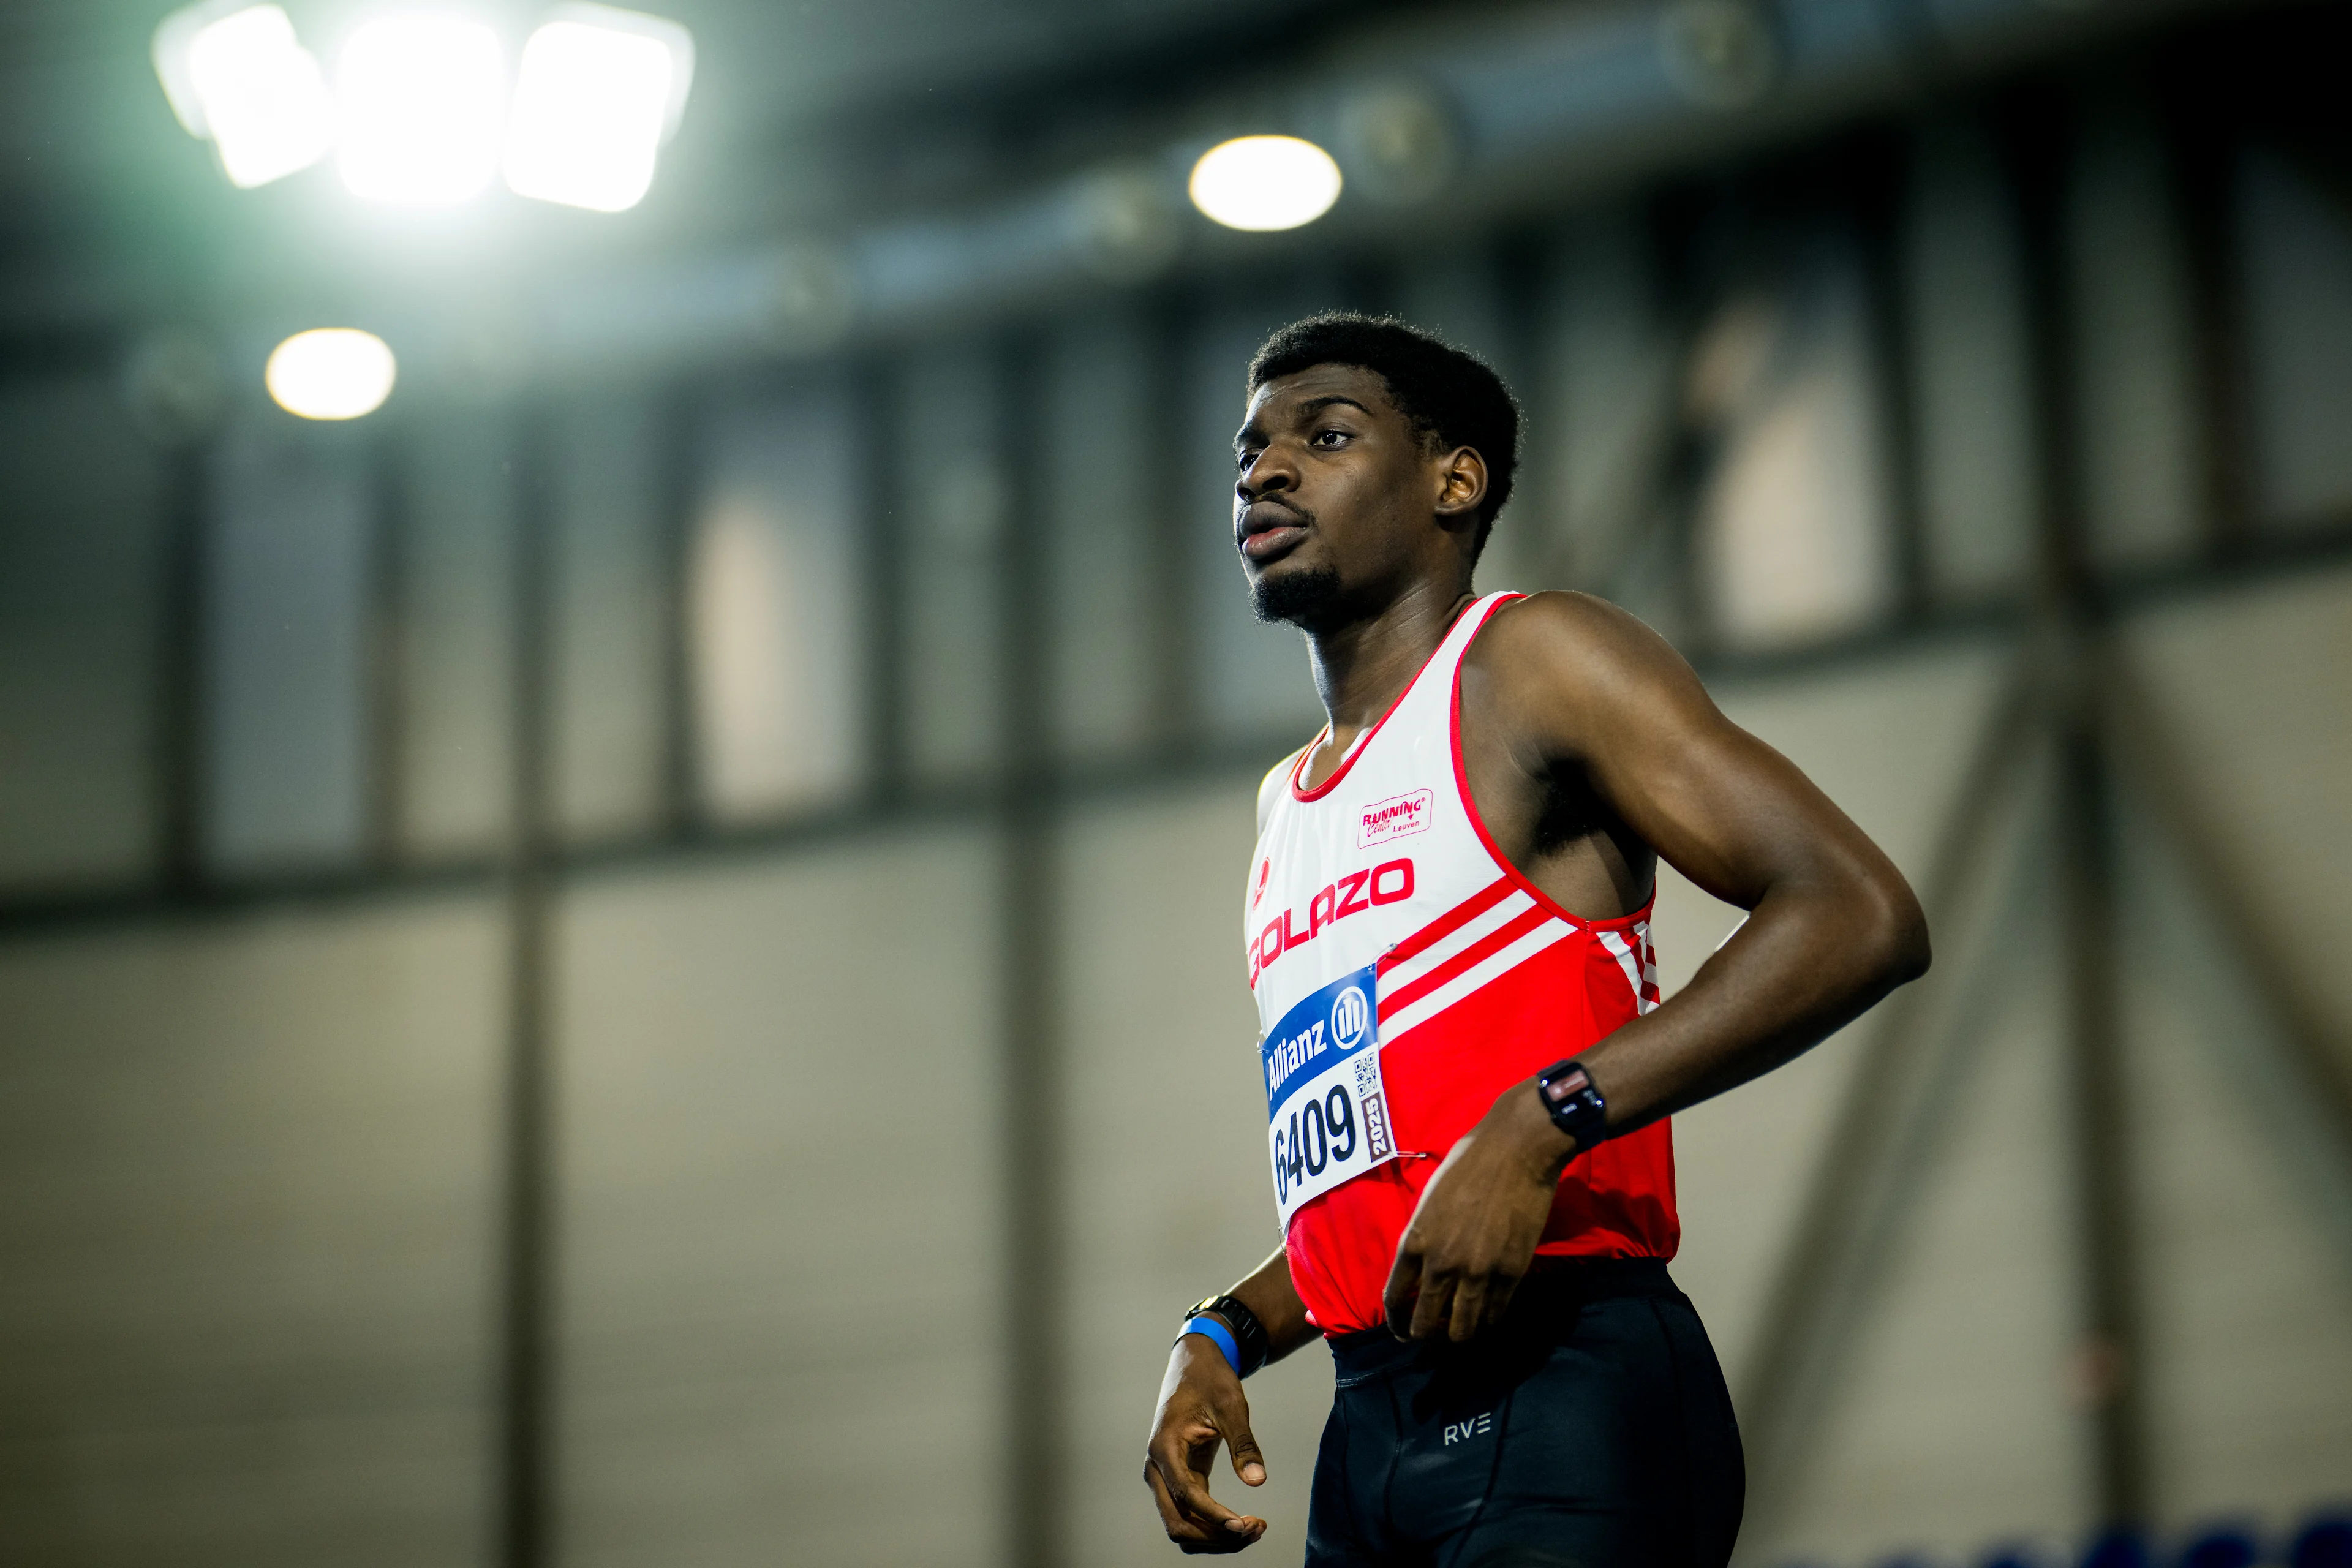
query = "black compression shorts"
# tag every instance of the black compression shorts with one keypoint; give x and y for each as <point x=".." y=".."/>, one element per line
<point x="1590" y="1429"/>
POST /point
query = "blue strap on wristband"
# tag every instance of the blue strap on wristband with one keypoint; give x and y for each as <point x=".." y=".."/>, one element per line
<point x="1218" y="1334"/>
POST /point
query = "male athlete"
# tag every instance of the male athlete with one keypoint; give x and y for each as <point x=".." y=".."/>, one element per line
<point x="1468" y="1070"/>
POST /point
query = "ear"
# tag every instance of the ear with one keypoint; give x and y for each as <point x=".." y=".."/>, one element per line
<point x="1461" y="476"/>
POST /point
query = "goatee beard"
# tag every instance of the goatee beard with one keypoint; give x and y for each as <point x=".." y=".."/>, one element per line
<point x="1301" y="597"/>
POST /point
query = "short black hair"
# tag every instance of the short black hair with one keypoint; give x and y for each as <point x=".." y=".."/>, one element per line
<point x="1449" y="396"/>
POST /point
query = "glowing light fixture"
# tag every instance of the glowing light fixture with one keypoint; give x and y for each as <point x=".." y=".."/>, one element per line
<point x="330" y="373"/>
<point x="236" y="77"/>
<point x="599" y="92"/>
<point x="422" y="97"/>
<point x="1265" y="183"/>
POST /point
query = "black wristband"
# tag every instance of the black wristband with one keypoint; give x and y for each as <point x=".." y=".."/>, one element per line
<point x="1572" y="1103"/>
<point x="1248" y="1332"/>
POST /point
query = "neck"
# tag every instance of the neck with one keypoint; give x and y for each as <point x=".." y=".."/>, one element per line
<point x="1360" y="665"/>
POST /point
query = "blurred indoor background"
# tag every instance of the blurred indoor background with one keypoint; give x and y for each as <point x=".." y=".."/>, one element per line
<point x="632" y="959"/>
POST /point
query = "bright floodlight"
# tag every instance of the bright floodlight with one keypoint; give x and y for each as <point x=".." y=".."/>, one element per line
<point x="1265" y="183"/>
<point x="330" y="373"/>
<point x="599" y="92"/>
<point x="238" y="75"/>
<point x="422" y="97"/>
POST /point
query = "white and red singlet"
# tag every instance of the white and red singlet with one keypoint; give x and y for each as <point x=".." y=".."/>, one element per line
<point x="1406" y="974"/>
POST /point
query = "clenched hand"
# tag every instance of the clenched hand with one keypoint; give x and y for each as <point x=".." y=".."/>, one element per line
<point x="1474" y="1231"/>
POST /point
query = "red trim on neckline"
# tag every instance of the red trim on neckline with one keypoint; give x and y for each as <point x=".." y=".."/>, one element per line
<point x="1478" y="823"/>
<point x="1364" y="740"/>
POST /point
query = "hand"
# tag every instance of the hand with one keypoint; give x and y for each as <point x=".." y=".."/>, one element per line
<point x="1200" y="1404"/>
<point x="1474" y="1231"/>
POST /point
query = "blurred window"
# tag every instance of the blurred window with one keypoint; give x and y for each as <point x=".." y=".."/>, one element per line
<point x="775" y="595"/>
<point x="958" y="499"/>
<point x="609" y="615"/>
<point x="2134" y="358"/>
<point x="1099" y="459"/>
<point x="2298" y="268"/>
<point x="81" y="537"/>
<point x="1973" y="375"/>
<point x="455" y="575"/>
<point x="285" y="616"/>
<point x="1793" y="541"/>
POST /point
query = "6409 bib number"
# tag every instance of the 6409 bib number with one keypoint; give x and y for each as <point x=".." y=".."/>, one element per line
<point x="1327" y="1115"/>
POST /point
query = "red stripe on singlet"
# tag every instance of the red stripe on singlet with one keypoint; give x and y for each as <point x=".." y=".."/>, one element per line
<point x="1492" y="943"/>
<point x="1452" y="921"/>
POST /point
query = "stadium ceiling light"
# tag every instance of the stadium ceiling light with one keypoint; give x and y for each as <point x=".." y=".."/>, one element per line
<point x="236" y="75"/>
<point x="1263" y="183"/>
<point x="330" y="373"/>
<point x="421" y="97"/>
<point x="599" y="92"/>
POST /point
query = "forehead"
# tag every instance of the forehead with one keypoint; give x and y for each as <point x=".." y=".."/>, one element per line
<point x="1286" y="395"/>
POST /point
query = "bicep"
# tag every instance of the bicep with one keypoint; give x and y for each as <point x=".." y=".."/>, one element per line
<point x="1715" y="803"/>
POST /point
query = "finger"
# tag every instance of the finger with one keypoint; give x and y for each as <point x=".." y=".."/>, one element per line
<point x="1435" y="1301"/>
<point x="1405" y="1280"/>
<point x="1181" y="1459"/>
<point x="1469" y="1311"/>
<point x="1249" y="1464"/>
<point x="1499" y="1293"/>
<point x="1191" y="1535"/>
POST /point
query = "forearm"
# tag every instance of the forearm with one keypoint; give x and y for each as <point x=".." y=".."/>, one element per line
<point x="1807" y="963"/>
<point x="1268" y="1292"/>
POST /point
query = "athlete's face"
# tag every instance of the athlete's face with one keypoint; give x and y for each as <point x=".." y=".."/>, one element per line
<point x="1341" y="501"/>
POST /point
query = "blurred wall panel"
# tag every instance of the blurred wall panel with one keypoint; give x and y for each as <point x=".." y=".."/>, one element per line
<point x="961" y="497"/>
<point x="1252" y="678"/>
<point x="774" y="594"/>
<point x="1169" y="1195"/>
<point x="606" y="506"/>
<point x="2297" y="266"/>
<point x="1973" y="376"/>
<point x="1792" y="538"/>
<point x="1917" y="1435"/>
<point x="2257" y="687"/>
<point x="286" y="645"/>
<point x="81" y="538"/>
<point x="1953" y="1419"/>
<point x="779" y="1211"/>
<point x="457" y="633"/>
<point x="246" y="1232"/>
<point x="1107" y="427"/>
<point x="2143" y="457"/>
<point x="2249" y="1308"/>
<point x="1890" y="743"/>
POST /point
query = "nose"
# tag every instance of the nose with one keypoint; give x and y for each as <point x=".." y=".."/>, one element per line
<point x="1267" y="473"/>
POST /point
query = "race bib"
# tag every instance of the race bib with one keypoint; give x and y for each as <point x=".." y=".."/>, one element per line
<point x="1328" y="1119"/>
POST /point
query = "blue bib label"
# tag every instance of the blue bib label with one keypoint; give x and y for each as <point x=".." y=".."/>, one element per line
<point x="1327" y="1115"/>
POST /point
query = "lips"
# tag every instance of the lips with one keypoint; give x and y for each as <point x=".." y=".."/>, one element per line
<point x="1268" y="530"/>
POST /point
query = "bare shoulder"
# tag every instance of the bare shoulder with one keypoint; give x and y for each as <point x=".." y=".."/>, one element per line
<point x="1270" y="787"/>
<point x="1565" y="645"/>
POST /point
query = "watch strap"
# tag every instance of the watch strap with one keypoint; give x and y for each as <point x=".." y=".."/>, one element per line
<point x="1250" y="1343"/>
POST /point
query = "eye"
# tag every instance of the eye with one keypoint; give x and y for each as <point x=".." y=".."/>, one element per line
<point x="1328" y="437"/>
<point x="1244" y="456"/>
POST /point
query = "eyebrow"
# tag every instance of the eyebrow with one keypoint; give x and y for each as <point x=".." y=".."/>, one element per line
<point x="1307" y="410"/>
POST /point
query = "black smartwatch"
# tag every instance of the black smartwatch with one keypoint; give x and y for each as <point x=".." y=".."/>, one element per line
<point x="1249" y="1334"/>
<point x="1575" y="1107"/>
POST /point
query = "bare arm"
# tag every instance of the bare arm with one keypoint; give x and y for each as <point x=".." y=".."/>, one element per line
<point x="1201" y="1404"/>
<point x="1567" y="688"/>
